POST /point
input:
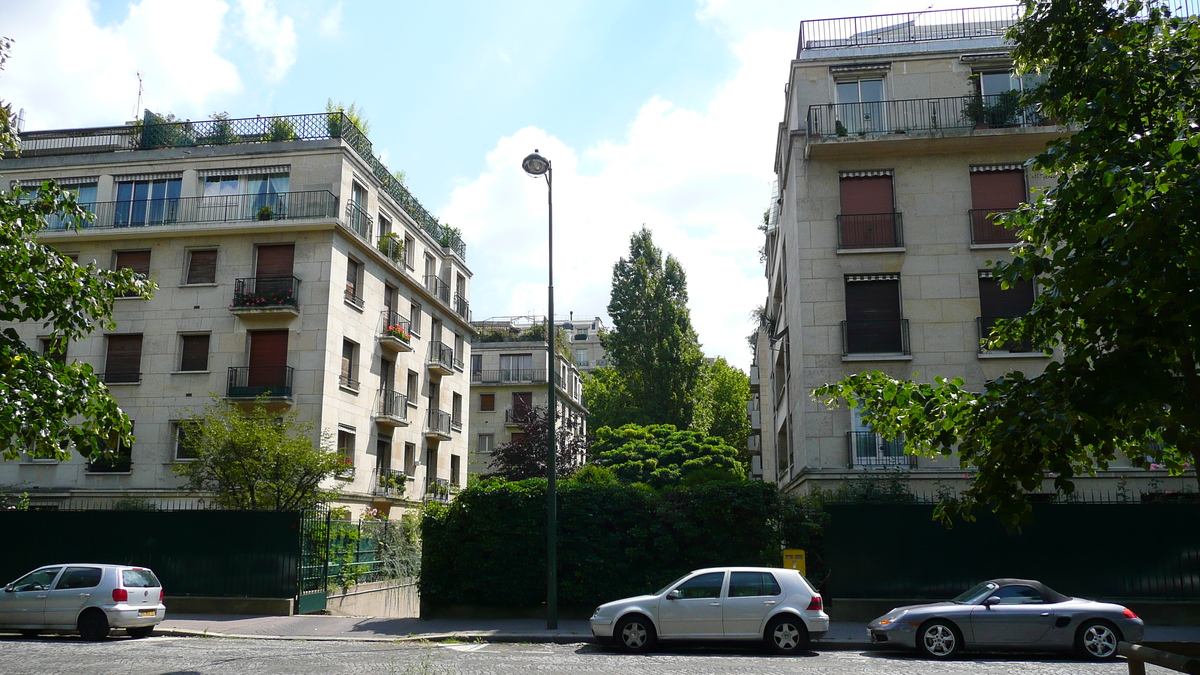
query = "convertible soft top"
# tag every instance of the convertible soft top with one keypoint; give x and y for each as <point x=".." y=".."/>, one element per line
<point x="1051" y="595"/>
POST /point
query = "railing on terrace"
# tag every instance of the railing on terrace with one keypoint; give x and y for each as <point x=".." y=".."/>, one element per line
<point x="879" y="29"/>
<point x="889" y="336"/>
<point x="518" y="416"/>
<point x="829" y="120"/>
<point x="392" y="404"/>
<point x="253" y="381"/>
<point x="870" y="230"/>
<point x="389" y="482"/>
<point x="396" y="325"/>
<point x="441" y="354"/>
<point x="438" y="489"/>
<point x="438" y="286"/>
<point x="266" y="292"/>
<point x="868" y="449"/>
<point x="121" y="377"/>
<point x="985" y="229"/>
<point x="156" y="133"/>
<point x="213" y="209"/>
<point x="462" y="307"/>
<point x="438" y="421"/>
<point x="359" y="220"/>
<point x="509" y="376"/>
<point x="391" y="247"/>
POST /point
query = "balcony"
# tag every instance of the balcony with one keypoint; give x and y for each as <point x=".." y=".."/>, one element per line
<point x="392" y="247"/>
<point x="255" y="381"/>
<point x="270" y="296"/>
<point x="358" y="220"/>
<point x="205" y="210"/>
<point x="946" y="24"/>
<point x="441" y="359"/>
<point x="867" y="449"/>
<point x="870" y="231"/>
<point x="509" y="376"/>
<point x="396" y="333"/>
<point x="437" y="425"/>
<point x="391" y="409"/>
<point x="438" y="287"/>
<point x="875" y="337"/>
<point x="438" y="490"/>
<point x="833" y="120"/>
<point x="517" y="417"/>
<point x="121" y="377"/>
<point x="986" y="324"/>
<point x="462" y="307"/>
<point x="389" y="483"/>
<point x="985" y="231"/>
<point x="755" y="419"/>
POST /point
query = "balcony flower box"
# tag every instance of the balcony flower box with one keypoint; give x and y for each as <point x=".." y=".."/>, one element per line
<point x="265" y="298"/>
<point x="399" y="332"/>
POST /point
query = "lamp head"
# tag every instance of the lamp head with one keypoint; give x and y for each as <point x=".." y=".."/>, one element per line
<point x="535" y="164"/>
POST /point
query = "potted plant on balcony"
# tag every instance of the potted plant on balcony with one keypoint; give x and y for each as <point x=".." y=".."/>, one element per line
<point x="392" y="482"/>
<point x="399" y="332"/>
<point x="391" y="245"/>
<point x="266" y="213"/>
<point x="345" y="470"/>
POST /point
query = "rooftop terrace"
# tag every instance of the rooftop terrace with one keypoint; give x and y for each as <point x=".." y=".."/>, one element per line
<point x="943" y="24"/>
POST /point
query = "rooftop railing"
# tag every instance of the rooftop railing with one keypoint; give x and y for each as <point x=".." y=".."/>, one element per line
<point x="944" y="24"/>
<point x="922" y="114"/>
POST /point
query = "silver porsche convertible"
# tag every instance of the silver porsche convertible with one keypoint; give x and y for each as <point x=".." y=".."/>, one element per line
<point x="1010" y="614"/>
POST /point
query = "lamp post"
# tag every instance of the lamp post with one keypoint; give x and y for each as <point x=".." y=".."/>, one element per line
<point x="536" y="165"/>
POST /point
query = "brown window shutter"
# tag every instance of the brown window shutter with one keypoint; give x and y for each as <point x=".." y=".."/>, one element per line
<point x="194" y="353"/>
<point x="202" y="267"/>
<point x="347" y="362"/>
<point x="124" y="359"/>
<point x="487" y="402"/>
<point x="268" y="347"/>
<point x="138" y="261"/>
<point x="275" y="260"/>
<point x="997" y="189"/>
<point x="996" y="303"/>
<point x="873" y="300"/>
<point x="867" y="194"/>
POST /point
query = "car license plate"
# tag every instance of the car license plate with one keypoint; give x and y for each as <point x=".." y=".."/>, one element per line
<point x="146" y="612"/>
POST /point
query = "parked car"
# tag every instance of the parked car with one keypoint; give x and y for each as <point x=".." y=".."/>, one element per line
<point x="775" y="605"/>
<point x="1010" y="614"/>
<point x="87" y="598"/>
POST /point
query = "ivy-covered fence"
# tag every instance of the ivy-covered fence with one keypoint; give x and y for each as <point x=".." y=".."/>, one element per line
<point x="489" y="546"/>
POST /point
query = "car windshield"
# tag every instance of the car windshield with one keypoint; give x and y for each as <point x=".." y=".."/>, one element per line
<point x="973" y="596"/>
<point x="664" y="588"/>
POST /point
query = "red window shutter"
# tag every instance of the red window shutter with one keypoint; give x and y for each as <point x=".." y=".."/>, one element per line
<point x="997" y="189"/>
<point x="194" y="353"/>
<point x="124" y="358"/>
<point x="487" y="402"/>
<point x="275" y="260"/>
<point x="867" y="194"/>
<point x="138" y="261"/>
<point x="202" y="267"/>
<point x="268" y="347"/>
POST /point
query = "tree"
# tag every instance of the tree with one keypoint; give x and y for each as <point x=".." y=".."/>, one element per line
<point x="721" y="399"/>
<point x="48" y="406"/>
<point x="355" y="114"/>
<point x="661" y="455"/>
<point x="608" y="401"/>
<point x="1114" y="247"/>
<point x="258" y="460"/>
<point x="525" y="456"/>
<point x="653" y="347"/>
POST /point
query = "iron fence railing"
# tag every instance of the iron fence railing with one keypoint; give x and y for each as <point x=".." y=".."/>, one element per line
<point x="868" y="449"/>
<point x="986" y="324"/>
<point x="438" y="286"/>
<point x="121" y="377"/>
<point x="254" y="381"/>
<point x="392" y="404"/>
<point x="211" y="209"/>
<point x="265" y="292"/>
<point x="518" y="416"/>
<point x="440" y="354"/>
<point x="985" y="229"/>
<point x="391" y="247"/>
<point x="509" y="376"/>
<point x="389" y="482"/>
<point x="946" y="24"/>
<point x="395" y="325"/>
<point x="462" y="307"/>
<point x="889" y="336"/>
<point x="922" y="114"/>
<point x="437" y="422"/>
<point x="358" y="220"/>
<point x="870" y="230"/>
<point x="438" y="489"/>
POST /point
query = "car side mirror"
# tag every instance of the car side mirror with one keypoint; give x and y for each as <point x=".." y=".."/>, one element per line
<point x="674" y="595"/>
<point x="994" y="600"/>
<point x="8" y="588"/>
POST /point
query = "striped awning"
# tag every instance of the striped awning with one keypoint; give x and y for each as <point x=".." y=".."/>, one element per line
<point x="872" y="277"/>
<point x="166" y="175"/>
<point x="69" y="180"/>
<point x="864" y="174"/>
<point x="244" y="170"/>
<point x="860" y="68"/>
<point x="998" y="167"/>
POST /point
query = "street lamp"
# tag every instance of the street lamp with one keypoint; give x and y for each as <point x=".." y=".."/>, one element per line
<point x="536" y="165"/>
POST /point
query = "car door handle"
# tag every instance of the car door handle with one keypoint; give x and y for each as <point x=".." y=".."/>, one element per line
<point x="1044" y="614"/>
<point x="85" y="595"/>
<point x="40" y="597"/>
<point x="714" y="604"/>
<point x="768" y="602"/>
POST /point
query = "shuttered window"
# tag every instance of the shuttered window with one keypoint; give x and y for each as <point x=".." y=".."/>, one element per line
<point x="193" y="352"/>
<point x="996" y="302"/>
<point x="348" y="377"/>
<point x="353" y="268"/>
<point x="138" y="261"/>
<point x="123" y="361"/>
<point x="994" y="192"/>
<point x="275" y="260"/>
<point x="873" y="321"/>
<point x="868" y="218"/>
<point x="54" y="350"/>
<point x="202" y="267"/>
<point x="487" y="402"/>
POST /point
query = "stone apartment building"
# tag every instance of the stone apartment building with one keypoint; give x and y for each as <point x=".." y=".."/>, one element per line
<point x="584" y="336"/>
<point x="290" y="264"/>
<point x="509" y="380"/>
<point x="901" y="138"/>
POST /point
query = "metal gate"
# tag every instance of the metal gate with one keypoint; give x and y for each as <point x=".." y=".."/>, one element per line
<point x="314" y="561"/>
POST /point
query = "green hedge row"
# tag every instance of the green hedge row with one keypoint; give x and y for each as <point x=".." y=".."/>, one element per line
<point x="489" y="546"/>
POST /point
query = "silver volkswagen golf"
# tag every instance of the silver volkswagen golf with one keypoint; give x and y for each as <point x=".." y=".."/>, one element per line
<point x="775" y="605"/>
<point x="87" y="598"/>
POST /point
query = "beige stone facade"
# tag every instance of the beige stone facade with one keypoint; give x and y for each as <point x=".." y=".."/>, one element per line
<point x="893" y="152"/>
<point x="392" y="400"/>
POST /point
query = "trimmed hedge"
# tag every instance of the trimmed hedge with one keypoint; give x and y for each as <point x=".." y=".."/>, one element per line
<point x="489" y="546"/>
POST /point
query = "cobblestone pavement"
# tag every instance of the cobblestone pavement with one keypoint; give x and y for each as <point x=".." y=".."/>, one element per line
<point x="215" y="656"/>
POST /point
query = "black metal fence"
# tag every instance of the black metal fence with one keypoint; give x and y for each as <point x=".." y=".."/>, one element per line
<point x="922" y="114"/>
<point x="889" y="336"/>
<point x="947" y="24"/>
<point x="1117" y="551"/>
<point x="211" y="209"/>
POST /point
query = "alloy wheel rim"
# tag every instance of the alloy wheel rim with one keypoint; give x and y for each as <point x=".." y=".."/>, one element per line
<point x="1099" y="641"/>
<point x="786" y="636"/>
<point x="939" y="640"/>
<point x="634" y="635"/>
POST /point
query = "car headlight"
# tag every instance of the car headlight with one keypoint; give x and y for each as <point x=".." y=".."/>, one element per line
<point x="893" y="618"/>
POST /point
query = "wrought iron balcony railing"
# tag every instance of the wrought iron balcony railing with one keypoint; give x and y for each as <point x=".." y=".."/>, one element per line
<point x="213" y="209"/>
<point x="121" y="377"/>
<point x="945" y="24"/>
<point x="923" y="114"/>
<point x="875" y="337"/>
<point x="391" y="247"/>
<point x="867" y="449"/>
<point x="985" y="229"/>
<point x="254" y="381"/>
<point x="462" y="307"/>
<point x="438" y="489"/>
<point x="441" y="355"/>
<point x="870" y="230"/>
<point x="359" y="220"/>
<point x="518" y="416"/>
<point x="509" y="376"/>
<point x="437" y="422"/>
<point x="389" y="482"/>
<point x="266" y="292"/>
<point x="392" y="404"/>
<point x="397" y="326"/>
<point x="438" y="286"/>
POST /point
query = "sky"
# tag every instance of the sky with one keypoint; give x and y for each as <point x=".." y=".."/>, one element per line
<point x="659" y="114"/>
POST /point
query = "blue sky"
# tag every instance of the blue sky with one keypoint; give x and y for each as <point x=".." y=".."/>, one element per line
<point x="659" y="113"/>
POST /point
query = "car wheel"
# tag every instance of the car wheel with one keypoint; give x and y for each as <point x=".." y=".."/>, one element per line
<point x="786" y="634"/>
<point x="939" y="639"/>
<point x="1097" y="640"/>
<point x="635" y="634"/>
<point x="30" y="633"/>
<point x="93" y="625"/>
<point x="140" y="631"/>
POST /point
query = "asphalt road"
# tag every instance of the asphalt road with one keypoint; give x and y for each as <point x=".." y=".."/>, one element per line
<point x="213" y="656"/>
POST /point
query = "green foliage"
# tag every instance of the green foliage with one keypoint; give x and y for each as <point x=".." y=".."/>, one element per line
<point x="609" y="403"/>
<point x="1113" y="247"/>
<point x="257" y="459"/>
<point x="449" y="235"/>
<point x="220" y="132"/>
<point x="614" y="540"/>
<point x="660" y="455"/>
<point x="282" y="129"/>
<point x="525" y="456"/>
<point x="356" y="115"/>
<point x="47" y="407"/>
<point x="721" y="400"/>
<point x="595" y="475"/>
<point x="653" y="349"/>
<point x="889" y="487"/>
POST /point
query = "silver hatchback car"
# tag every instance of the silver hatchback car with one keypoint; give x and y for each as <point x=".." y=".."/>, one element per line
<point x="87" y="598"/>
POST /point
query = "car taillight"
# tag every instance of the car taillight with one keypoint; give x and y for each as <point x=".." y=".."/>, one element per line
<point x="161" y="595"/>
<point x="120" y="595"/>
<point x="815" y="603"/>
<point x="1129" y="614"/>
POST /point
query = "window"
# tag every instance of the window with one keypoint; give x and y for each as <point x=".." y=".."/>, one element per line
<point x="353" y="282"/>
<point x="860" y="110"/>
<point x="349" y="375"/>
<point x="410" y="458"/>
<point x="119" y="462"/>
<point x="516" y="367"/>
<point x="138" y="261"/>
<point x="999" y="303"/>
<point x="994" y="190"/>
<point x="202" y="267"/>
<point x="458" y="351"/>
<point x="345" y="445"/>
<point x="274" y="260"/>
<point x="79" y="577"/>
<point x="485" y="444"/>
<point x="476" y="364"/>
<point x="455" y="462"/>
<point x="385" y="224"/>
<point x="707" y="585"/>
<point x="54" y="349"/>
<point x="456" y="410"/>
<point x="414" y="318"/>
<point x="487" y="403"/>
<point x="85" y="195"/>
<point x="999" y="102"/>
<point x="1018" y="595"/>
<point x="868" y="216"/>
<point x="410" y="251"/>
<point x="147" y="202"/>
<point x="581" y="357"/>
<point x="123" y="359"/>
<point x="414" y="388"/>
<point x="750" y="584"/>
<point x="517" y="437"/>
<point x="193" y="352"/>
<point x="36" y="581"/>
<point x="873" y="321"/>
<point x="180" y="432"/>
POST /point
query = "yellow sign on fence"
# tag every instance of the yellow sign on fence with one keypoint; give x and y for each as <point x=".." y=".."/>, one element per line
<point x="793" y="559"/>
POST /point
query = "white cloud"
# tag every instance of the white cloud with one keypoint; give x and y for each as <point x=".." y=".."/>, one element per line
<point x="330" y="25"/>
<point x="271" y="35"/>
<point x="66" y="70"/>
<point x="699" y="179"/>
